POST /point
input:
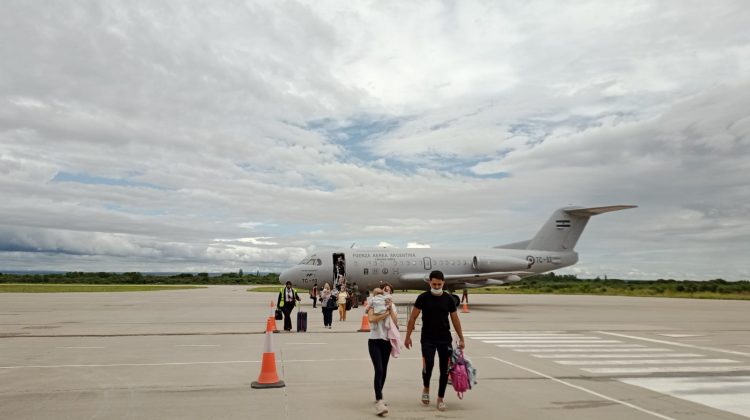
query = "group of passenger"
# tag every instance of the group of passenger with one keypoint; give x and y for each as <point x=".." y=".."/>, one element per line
<point x="342" y="298"/>
<point x="436" y="307"/>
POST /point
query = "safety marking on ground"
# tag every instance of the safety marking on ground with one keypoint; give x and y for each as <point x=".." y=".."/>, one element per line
<point x="586" y="390"/>
<point x="612" y="357"/>
<point x="672" y="343"/>
<point x="682" y="335"/>
<point x="80" y="347"/>
<point x="729" y="393"/>
<point x="197" y="345"/>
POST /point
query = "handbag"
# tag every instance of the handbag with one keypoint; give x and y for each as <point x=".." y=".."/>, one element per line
<point x="331" y="304"/>
<point x="278" y="315"/>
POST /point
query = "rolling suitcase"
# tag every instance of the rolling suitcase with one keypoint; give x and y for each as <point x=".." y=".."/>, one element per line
<point x="301" y="321"/>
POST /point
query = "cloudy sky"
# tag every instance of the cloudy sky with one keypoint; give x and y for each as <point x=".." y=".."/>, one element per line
<point x="213" y="136"/>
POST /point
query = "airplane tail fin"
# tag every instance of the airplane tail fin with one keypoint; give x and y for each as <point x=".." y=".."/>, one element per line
<point x="564" y="227"/>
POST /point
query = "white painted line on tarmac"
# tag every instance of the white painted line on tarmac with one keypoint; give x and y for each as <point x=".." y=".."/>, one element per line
<point x="489" y="334"/>
<point x="613" y="356"/>
<point x="580" y="346"/>
<point x="586" y="390"/>
<point x="682" y="335"/>
<point x="511" y="332"/>
<point x="550" y="341"/>
<point x="303" y="344"/>
<point x="226" y="362"/>
<point x="537" y="337"/>
<point x="675" y="369"/>
<point x="520" y="337"/>
<point x="587" y="350"/>
<point x="80" y="347"/>
<point x="644" y="362"/>
<point x="728" y="393"/>
<point x="672" y="343"/>
<point x="197" y="345"/>
<point x="130" y="364"/>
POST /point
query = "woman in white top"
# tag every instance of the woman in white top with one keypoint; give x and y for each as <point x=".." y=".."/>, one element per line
<point x="325" y="296"/>
<point x="380" y="347"/>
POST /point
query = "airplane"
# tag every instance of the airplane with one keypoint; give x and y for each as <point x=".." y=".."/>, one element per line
<point x="550" y="249"/>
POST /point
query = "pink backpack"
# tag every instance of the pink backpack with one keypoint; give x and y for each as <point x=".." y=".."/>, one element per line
<point x="459" y="376"/>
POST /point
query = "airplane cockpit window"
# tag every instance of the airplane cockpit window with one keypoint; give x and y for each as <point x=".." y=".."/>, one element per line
<point x="311" y="260"/>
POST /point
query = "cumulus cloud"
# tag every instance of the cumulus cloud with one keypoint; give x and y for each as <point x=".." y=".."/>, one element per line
<point x="191" y="136"/>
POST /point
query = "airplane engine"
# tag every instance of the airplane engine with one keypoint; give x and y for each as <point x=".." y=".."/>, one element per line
<point x="490" y="264"/>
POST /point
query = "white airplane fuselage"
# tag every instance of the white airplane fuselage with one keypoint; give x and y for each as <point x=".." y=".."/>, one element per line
<point x="551" y="248"/>
<point x="408" y="268"/>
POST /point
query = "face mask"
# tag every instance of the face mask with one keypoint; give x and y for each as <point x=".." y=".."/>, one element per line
<point x="436" y="292"/>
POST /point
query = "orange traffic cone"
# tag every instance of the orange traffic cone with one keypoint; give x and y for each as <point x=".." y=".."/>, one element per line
<point x="273" y="316"/>
<point x="365" y="324"/>
<point x="271" y="325"/>
<point x="268" y="377"/>
<point x="465" y="310"/>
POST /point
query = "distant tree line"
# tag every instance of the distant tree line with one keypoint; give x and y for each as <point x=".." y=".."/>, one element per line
<point x="543" y="283"/>
<point x="570" y="284"/>
<point x="80" y="277"/>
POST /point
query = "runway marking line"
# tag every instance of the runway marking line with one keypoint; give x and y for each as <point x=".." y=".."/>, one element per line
<point x="224" y="362"/>
<point x="615" y="362"/>
<point x="613" y="355"/>
<point x="586" y="390"/>
<point x="672" y="343"/>
<point x="80" y="347"/>
<point x="675" y="369"/>
<point x="197" y="345"/>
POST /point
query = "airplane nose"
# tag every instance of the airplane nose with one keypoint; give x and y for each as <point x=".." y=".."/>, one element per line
<point x="285" y="276"/>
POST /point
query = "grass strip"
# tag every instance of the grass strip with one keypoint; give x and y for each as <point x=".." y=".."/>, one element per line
<point x="68" y="288"/>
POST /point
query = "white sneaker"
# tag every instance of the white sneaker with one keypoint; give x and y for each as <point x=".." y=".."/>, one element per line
<point x="380" y="408"/>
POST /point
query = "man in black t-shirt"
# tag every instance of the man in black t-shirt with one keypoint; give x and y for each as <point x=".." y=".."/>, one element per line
<point x="436" y="307"/>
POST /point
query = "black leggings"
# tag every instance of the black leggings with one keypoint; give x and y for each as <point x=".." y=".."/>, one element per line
<point x="444" y="350"/>
<point x="327" y="316"/>
<point x="380" y="353"/>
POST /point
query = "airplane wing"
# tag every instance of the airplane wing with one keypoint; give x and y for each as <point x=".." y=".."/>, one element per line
<point x="468" y="277"/>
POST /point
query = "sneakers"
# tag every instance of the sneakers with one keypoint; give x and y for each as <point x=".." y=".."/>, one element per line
<point x="380" y="408"/>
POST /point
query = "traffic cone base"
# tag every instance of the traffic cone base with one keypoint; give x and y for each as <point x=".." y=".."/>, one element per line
<point x="268" y="377"/>
<point x="365" y="324"/>
<point x="271" y="325"/>
<point x="465" y="310"/>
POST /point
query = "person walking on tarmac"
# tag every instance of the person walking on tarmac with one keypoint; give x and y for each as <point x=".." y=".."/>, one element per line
<point x="314" y="295"/>
<point x="341" y="300"/>
<point x="436" y="307"/>
<point x="288" y="298"/>
<point x="327" y="305"/>
<point x="381" y="317"/>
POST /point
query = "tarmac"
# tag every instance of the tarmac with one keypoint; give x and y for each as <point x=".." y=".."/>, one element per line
<point x="192" y="354"/>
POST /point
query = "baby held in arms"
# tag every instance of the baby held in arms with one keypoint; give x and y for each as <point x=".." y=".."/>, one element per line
<point x="379" y="301"/>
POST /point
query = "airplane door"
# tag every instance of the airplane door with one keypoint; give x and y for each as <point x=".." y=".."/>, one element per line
<point x="427" y="263"/>
<point x="339" y="268"/>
